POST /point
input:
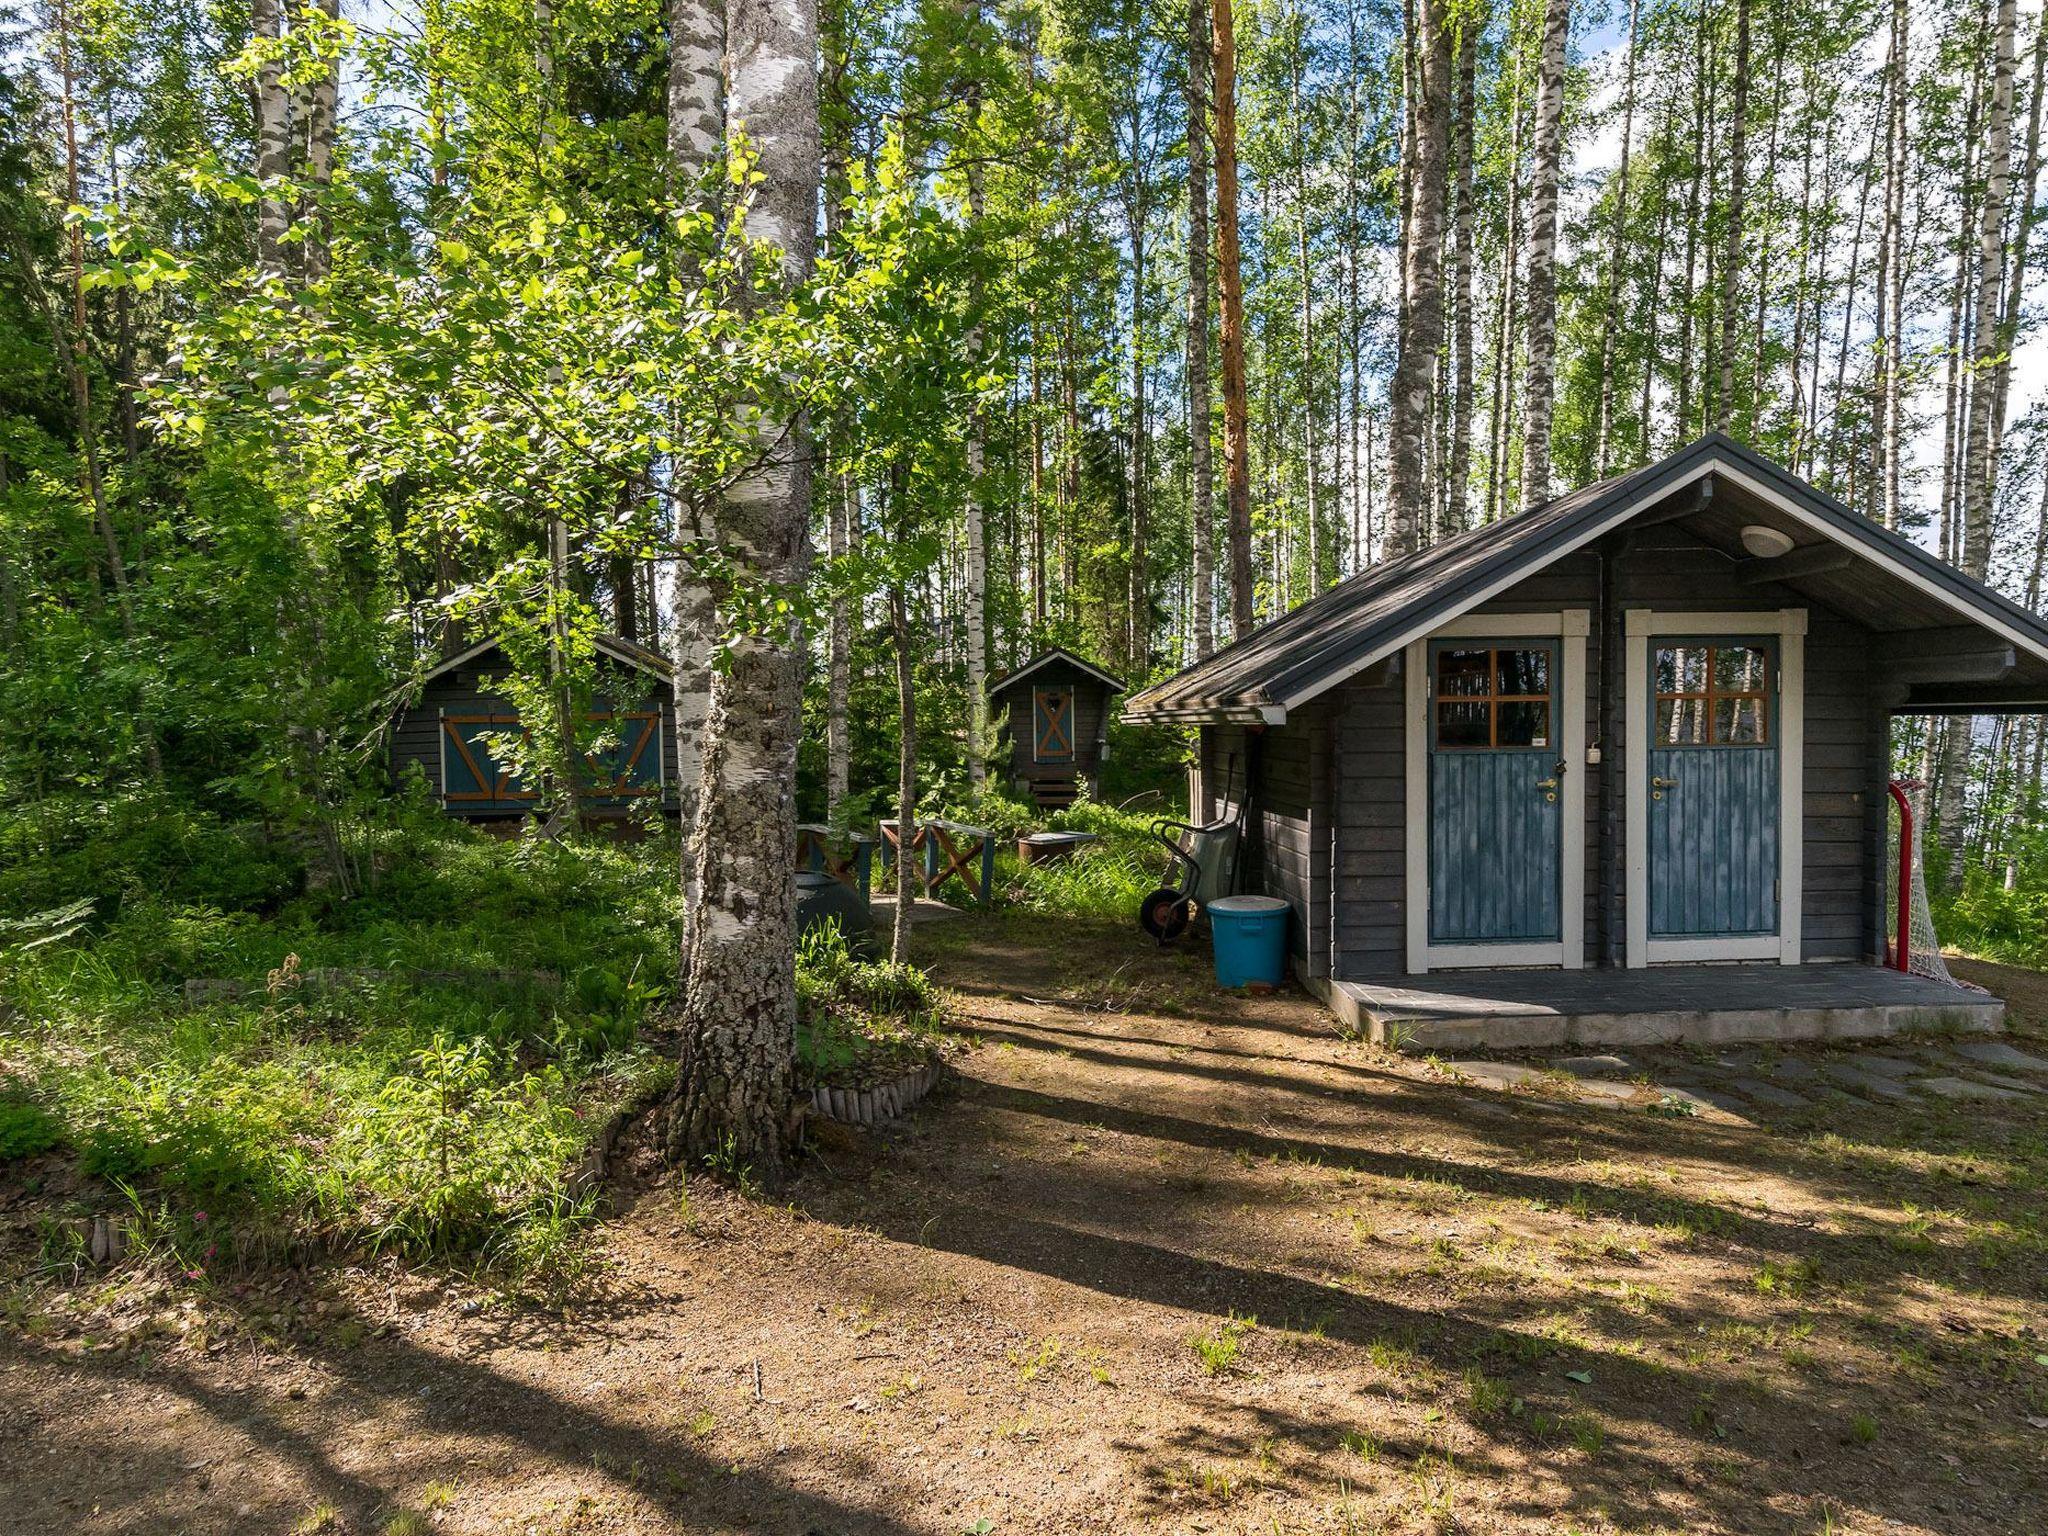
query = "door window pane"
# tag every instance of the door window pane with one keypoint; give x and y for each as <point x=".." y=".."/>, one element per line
<point x="1739" y="669"/>
<point x="1463" y="724"/>
<point x="1464" y="674"/>
<point x="1523" y="673"/>
<point x="1739" y="722"/>
<point x="1523" y="723"/>
<point x="1493" y="698"/>
<point x="1713" y="696"/>
<point x="1681" y="668"/>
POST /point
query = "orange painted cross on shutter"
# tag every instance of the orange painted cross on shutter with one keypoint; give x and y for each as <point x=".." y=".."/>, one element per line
<point x="1052" y="721"/>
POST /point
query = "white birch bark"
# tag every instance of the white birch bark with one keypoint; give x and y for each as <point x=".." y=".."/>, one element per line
<point x="1422" y="321"/>
<point x="1201" y="468"/>
<point x="1980" y="470"/>
<point x="320" y="124"/>
<point x="696" y="136"/>
<point x="273" y="139"/>
<point x="732" y="1094"/>
<point x="1731" y="256"/>
<point x="1540" y="379"/>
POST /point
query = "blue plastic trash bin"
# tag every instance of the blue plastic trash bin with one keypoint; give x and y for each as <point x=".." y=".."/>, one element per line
<point x="1250" y="934"/>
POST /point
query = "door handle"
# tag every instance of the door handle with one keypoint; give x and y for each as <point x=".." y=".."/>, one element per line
<point x="1546" y="783"/>
<point x="1658" y="783"/>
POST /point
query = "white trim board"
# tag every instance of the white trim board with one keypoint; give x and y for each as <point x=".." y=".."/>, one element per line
<point x="1570" y="626"/>
<point x="1789" y="625"/>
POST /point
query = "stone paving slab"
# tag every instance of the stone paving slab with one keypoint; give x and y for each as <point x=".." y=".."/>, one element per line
<point x="1962" y="1088"/>
<point x="1594" y="1090"/>
<point x="1885" y="1066"/>
<point x="1494" y="1074"/>
<point x="1596" y="1066"/>
<point x="1793" y="1070"/>
<point x="1703" y="1098"/>
<point x="1996" y="1053"/>
<point x="2016" y="1084"/>
<point x="1870" y="1083"/>
<point x="1768" y="1093"/>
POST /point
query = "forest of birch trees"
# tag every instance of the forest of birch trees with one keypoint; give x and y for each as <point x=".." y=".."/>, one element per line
<point x="848" y="355"/>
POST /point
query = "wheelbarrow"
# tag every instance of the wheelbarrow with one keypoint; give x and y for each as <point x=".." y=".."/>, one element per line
<point x="1201" y="865"/>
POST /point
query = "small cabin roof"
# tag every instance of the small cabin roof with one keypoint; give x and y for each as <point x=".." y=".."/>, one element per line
<point x="626" y="652"/>
<point x="1715" y="488"/>
<point x="1047" y="657"/>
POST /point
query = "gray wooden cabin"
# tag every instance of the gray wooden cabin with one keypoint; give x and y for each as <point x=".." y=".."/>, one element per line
<point x="1645" y="725"/>
<point x="448" y="730"/>
<point x="1058" y="707"/>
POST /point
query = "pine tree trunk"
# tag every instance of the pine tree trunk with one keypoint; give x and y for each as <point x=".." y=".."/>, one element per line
<point x="1202" y="488"/>
<point x="1237" y="467"/>
<point x="907" y="868"/>
<point x="1308" y="346"/>
<point x="1422" y="322"/>
<point x="733" y="1088"/>
<point x="1540" y="388"/>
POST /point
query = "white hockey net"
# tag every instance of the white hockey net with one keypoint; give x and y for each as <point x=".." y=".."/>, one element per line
<point x="1923" y="945"/>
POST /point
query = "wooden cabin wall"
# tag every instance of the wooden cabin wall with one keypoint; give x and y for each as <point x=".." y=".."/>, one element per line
<point x="1288" y="837"/>
<point x="1090" y="702"/>
<point x="473" y="690"/>
<point x="1843" y="775"/>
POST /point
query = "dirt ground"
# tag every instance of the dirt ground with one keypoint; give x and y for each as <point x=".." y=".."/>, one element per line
<point x="1159" y="1260"/>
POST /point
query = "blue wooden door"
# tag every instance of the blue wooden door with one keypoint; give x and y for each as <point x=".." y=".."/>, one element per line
<point x="1713" y="787"/>
<point x="1052" y="725"/>
<point x="1496" y="829"/>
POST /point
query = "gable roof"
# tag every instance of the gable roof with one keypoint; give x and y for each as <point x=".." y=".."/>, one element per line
<point x="1051" y="654"/>
<point x="626" y="652"/>
<point x="1372" y="615"/>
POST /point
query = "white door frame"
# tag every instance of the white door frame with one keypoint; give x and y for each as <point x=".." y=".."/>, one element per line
<point x="1570" y="625"/>
<point x="1789" y="625"/>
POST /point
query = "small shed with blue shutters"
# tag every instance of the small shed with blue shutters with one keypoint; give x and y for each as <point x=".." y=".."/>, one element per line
<point x="1644" y="725"/>
<point x="1057" y="708"/>
<point x="448" y="732"/>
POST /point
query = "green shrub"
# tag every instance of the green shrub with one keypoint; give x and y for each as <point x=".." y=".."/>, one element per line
<point x="860" y="1020"/>
<point x="26" y="1129"/>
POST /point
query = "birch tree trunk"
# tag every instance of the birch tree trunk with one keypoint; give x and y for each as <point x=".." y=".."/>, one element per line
<point x="1202" y="489"/>
<point x="1603" y="432"/>
<point x="1892" y="275"/>
<point x="972" y="511"/>
<point x="1731" y="257"/>
<point x="1458" y="452"/>
<point x="1422" y="322"/>
<point x="1237" y="466"/>
<point x="696" y="134"/>
<point x="1980" y="470"/>
<point x="320" y="124"/>
<point x="1540" y="388"/>
<point x="733" y="1087"/>
<point x="273" y="139"/>
<point x="2016" y="271"/>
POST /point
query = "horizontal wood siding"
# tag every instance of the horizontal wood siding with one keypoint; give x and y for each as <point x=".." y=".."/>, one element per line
<point x="1287" y="841"/>
<point x="1372" y="825"/>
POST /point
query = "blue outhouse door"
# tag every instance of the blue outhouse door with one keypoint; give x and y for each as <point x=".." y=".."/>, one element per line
<point x="1495" y="770"/>
<point x="1713" y="789"/>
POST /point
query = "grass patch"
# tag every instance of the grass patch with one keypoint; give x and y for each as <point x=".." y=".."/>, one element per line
<point x="1218" y="1348"/>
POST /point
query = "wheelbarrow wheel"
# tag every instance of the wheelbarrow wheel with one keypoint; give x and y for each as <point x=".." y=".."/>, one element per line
<point x="1165" y="914"/>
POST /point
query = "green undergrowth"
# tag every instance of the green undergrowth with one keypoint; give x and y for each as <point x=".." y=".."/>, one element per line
<point x="861" y="1021"/>
<point x="417" y="1069"/>
<point x="1106" y="878"/>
